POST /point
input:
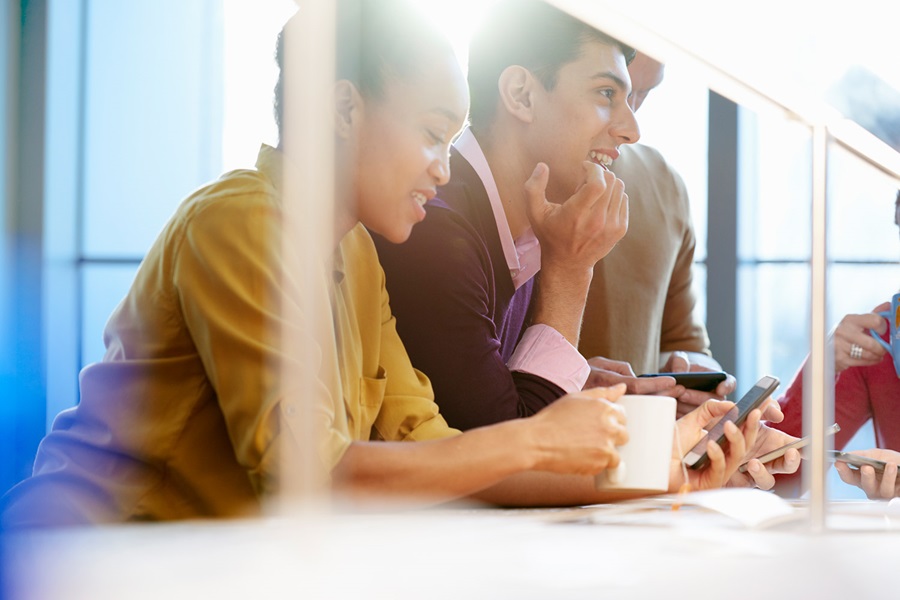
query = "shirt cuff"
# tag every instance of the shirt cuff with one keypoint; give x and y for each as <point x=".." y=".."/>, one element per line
<point x="544" y="352"/>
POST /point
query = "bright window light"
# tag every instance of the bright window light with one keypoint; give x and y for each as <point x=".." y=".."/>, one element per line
<point x="250" y="73"/>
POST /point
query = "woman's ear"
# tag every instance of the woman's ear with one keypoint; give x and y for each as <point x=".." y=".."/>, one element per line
<point x="347" y="108"/>
<point x="517" y="87"/>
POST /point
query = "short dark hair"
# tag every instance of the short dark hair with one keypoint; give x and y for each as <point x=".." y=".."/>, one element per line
<point x="531" y="34"/>
<point x="375" y="41"/>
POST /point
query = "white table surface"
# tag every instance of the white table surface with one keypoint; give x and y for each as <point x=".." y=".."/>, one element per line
<point x="589" y="552"/>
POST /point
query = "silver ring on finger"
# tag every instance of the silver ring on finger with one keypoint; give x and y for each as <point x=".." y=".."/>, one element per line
<point x="856" y="351"/>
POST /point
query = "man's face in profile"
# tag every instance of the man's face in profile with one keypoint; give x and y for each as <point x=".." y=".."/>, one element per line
<point x="585" y="117"/>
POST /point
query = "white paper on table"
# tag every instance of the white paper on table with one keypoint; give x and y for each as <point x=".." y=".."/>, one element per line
<point x="751" y="507"/>
<point x="747" y="507"/>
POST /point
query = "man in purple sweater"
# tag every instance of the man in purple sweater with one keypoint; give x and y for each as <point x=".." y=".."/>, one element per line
<point x="529" y="193"/>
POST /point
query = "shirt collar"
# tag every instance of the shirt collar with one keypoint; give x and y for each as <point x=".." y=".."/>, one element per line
<point x="523" y="255"/>
<point x="271" y="163"/>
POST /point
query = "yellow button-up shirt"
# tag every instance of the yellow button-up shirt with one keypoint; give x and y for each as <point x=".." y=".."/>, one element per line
<point x="187" y="414"/>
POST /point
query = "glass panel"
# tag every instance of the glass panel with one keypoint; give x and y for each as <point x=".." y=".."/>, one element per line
<point x="861" y="210"/>
<point x="683" y="141"/>
<point x="699" y="286"/>
<point x="773" y="310"/>
<point x="104" y="286"/>
<point x="8" y="342"/>
<point x="61" y="211"/>
<point x="837" y="489"/>
<point x="859" y="288"/>
<point x="7" y="85"/>
<point x="775" y="197"/>
<point x="799" y="65"/>
<point x="860" y="228"/>
<point x="773" y="321"/>
<point x="153" y="116"/>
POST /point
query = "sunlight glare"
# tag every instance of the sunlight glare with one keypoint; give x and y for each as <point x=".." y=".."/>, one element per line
<point x="251" y="29"/>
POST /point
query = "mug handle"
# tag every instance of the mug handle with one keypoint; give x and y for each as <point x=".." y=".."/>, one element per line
<point x="887" y="315"/>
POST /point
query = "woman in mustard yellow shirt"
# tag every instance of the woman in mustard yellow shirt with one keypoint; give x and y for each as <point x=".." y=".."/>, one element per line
<point x="189" y="413"/>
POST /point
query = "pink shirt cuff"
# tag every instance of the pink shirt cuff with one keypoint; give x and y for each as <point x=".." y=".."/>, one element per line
<point x="544" y="352"/>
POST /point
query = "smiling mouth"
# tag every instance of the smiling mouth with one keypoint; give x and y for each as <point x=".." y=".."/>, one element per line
<point x="604" y="160"/>
<point x="420" y="198"/>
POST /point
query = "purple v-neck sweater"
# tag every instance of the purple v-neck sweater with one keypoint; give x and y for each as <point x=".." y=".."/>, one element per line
<point x="457" y="310"/>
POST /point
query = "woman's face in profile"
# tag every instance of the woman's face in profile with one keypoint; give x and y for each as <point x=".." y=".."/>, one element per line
<point x="404" y="142"/>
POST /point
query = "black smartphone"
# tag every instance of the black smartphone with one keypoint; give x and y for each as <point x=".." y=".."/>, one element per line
<point x="858" y="461"/>
<point x="704" y="381"/>
<point x="697" y="457"/>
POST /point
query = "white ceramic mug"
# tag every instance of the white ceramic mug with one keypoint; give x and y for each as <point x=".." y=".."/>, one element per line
<point x="646" y="457"/>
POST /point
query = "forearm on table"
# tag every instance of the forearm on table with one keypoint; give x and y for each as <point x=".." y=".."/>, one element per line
<point x="439" y="470"/>
<point x="483" y="464"/>
<point x="560" y="299"/>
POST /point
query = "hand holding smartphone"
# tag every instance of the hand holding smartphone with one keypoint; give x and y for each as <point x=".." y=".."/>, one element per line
<point x="858" y="461"/>
<point x="704" y="381"/>
<point x="697" y="457"/>
<point x="779" y="452"/>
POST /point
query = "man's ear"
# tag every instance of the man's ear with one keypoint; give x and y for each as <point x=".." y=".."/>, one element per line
<point x="517" y="88"/>
<point x="347" y="108"/>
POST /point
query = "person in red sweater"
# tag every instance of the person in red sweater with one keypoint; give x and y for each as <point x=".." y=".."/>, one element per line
<point x="866" y="387"/>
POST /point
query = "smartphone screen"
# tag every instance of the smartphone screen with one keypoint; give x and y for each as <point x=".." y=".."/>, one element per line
<point x="697" y="457"/>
